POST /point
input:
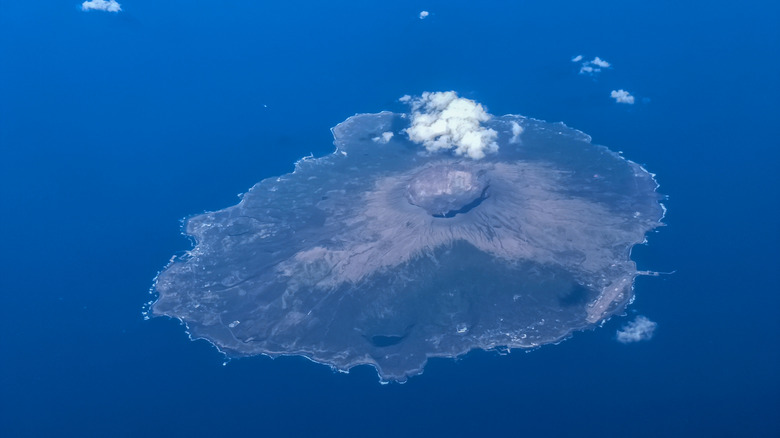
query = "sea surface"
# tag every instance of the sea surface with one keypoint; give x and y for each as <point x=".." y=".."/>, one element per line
<point x="115" y="126"/>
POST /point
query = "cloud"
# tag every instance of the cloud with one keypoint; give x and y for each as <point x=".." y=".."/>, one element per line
<point x="516" y="131"/>
<point x="593" y="66"/>
<point x="442" y="120"/>
<point x="384" y="138"/>
<point x="101" y="5"/>
<point x="600" y="62"/>
<point x="424" y="14"/>
<point x="622" y="96"/>
<point x="640" y="329"/>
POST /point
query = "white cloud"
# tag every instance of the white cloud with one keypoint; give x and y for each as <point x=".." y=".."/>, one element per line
<point x="442" y="120"/>
<point x="622" y="96"/>
<point x="101" y="5"/>
<point x="424" y="14"/>
<point x="516" y="131"/>
<point x="384" y="138"/>
<point x="640" y="329"/>
<point x="600" y="62"/>
<point x="593" y="66"/>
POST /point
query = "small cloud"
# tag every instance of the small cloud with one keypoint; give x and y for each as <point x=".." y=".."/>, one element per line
<point x="384" y="138"/>
<point x="516" y="131"/>
<point x="424" y="14"/>
<point x="101" y="5"/>
<point x="593" y="66"/>
<point x="600" y="62"/>
<point x="640" y="329"/>
<point x="622" y="96"/>
<point x="442" y="120"/>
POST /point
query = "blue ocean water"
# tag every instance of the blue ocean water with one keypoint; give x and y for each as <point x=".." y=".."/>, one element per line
<point x="113" y="127"/>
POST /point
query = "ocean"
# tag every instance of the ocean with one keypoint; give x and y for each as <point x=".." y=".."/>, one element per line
<point x="116" y="126"/>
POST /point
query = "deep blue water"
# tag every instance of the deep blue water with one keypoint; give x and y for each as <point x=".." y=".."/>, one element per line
<point x="113" y="127"/>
